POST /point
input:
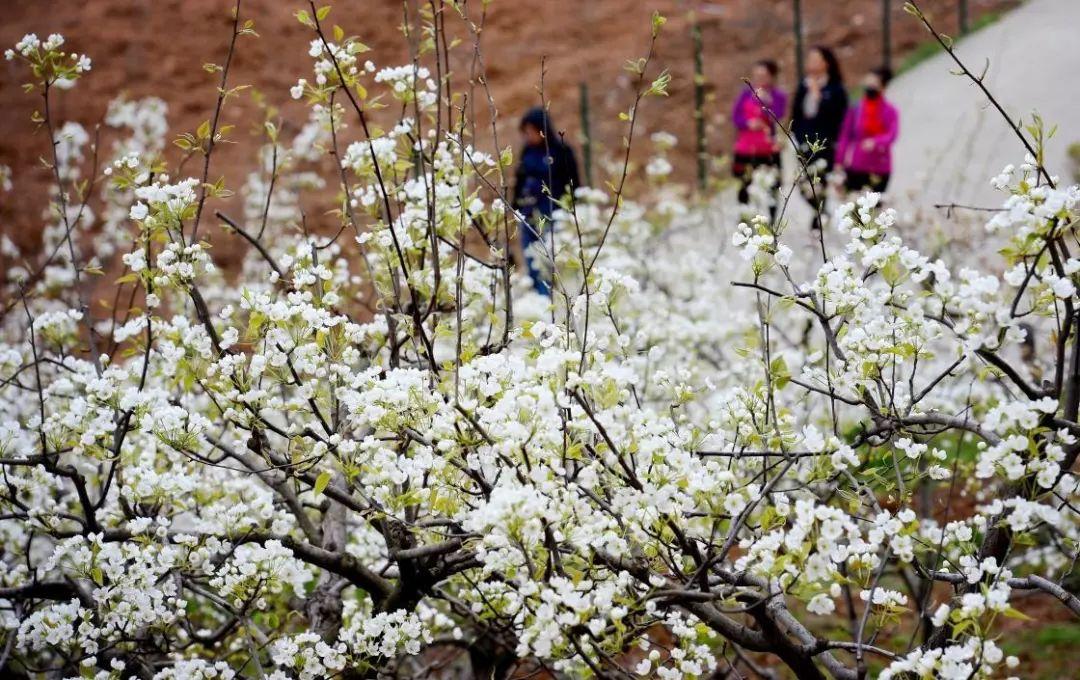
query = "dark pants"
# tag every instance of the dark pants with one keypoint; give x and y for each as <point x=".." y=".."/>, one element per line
<point x="812" y="187"/>
<point x="534" y="261"/>
<point x="743" y="169"/>
<point x="861" y="181"/>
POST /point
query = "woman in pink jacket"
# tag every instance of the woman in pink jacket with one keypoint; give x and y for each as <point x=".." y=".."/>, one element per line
<point x="864" y="149"/>
<point x="754" y="115"/>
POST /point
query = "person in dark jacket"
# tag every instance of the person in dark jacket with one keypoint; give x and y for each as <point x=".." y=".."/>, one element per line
<point x="546" y="171"/>
<point x="817" y="114"/>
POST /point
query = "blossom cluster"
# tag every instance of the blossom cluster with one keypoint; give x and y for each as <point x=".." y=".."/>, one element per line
<point x="372" y="440"/>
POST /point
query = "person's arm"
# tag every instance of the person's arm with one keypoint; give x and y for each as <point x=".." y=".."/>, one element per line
<point x="737" y="116"/>
<point x="519" y="180"/>
<point x="892" y="130"/>
<point x="838" y="109"/>
<point x="847" y="136"/>
<point x="568" y="173"/>
<point x="564" y="175"/>
<point x="575" y="178"/>
<point x="779" y="105"/>
<point x="797" y="108"/>
<point x="776" y="119"/>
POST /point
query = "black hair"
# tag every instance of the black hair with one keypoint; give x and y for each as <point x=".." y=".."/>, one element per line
<point x="769" y="65"/>
<point x="539" y="118"/>
<point x="831" y="62"/>
<point x="884" y="74"/>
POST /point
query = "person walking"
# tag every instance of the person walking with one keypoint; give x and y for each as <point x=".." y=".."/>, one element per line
<point x="870" y="128"/>
<point x="817" y="114"/>
<point x="756" y="110"/>
<point x="546" y="171"/>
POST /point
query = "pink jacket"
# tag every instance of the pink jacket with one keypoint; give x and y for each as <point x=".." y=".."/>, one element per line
<point x="850" y="153"/>
<point x="760" y="142"/>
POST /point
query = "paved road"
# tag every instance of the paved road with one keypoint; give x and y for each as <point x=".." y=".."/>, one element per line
<point x="952" y="141"/>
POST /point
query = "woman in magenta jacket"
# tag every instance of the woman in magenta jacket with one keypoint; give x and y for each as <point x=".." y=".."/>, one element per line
<point x="864" y="149"/>
<point x="755" y="115"/>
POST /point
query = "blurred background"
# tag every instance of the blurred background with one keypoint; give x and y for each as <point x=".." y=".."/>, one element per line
<point x="571" y="54"/>
<point x="158" y="47"/>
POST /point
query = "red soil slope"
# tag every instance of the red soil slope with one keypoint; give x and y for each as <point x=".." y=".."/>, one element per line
<point x="158" y="47"/>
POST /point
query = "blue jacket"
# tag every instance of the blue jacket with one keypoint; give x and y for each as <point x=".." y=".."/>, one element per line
<point x="551" y="165"/>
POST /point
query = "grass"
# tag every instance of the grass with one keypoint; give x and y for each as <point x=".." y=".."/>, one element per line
<point x="928" y="49"/>
<point x="1046" y="652"/>
<point x="1074" y="160"/>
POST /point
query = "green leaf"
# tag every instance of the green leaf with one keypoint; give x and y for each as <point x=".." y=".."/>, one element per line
<point x="322" y="12"/>
<point x="321" y="481"/>
<point x="660" y="85"/>
<point x="1013" y="613"/>
<point x="658" y="21"/>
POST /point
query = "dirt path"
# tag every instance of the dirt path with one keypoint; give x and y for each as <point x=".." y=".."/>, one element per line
<point x="952" y="141"/>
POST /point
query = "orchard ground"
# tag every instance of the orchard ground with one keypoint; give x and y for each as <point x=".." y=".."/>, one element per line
<point x="952" y="141"/>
